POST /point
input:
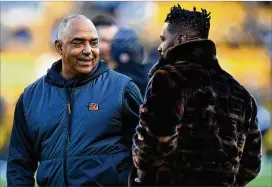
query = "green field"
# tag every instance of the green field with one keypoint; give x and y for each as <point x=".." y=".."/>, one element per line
<point x="265" y="177"/>
<point x="263" y="180"/>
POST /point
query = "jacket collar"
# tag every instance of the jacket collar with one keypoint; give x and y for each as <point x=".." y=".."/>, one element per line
<point x="53" y="75"/>
<point x="196" y="51"/>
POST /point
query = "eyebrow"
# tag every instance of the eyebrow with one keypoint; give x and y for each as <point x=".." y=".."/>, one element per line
<point x="162" y="37"/>
<point x="94" y="39"/>
<point x="82" y="39"/>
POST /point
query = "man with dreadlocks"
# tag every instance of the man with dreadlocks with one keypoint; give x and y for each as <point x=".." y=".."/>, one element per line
<point x="198" y="125"/>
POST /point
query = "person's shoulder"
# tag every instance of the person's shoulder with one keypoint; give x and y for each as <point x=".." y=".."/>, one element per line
<point x="29" y="90"/>
<point x="237" y="86"/>
<point x="35" y="85"/>
<point x="166" y="78"/>
<point x="114" y="74"/>
<point x="182" y="67"/>
<point x="179" y="71"/>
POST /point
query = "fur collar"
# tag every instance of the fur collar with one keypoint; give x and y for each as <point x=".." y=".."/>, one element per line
<point x="196" y="51"/>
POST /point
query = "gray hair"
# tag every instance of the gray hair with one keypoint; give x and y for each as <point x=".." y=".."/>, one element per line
<point x="65" y="22"/>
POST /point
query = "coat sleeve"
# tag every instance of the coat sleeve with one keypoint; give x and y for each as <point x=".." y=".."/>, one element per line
<point x="160" y="118"/>
<point x="250" y="163"/>
<point x="132" y="101"/>
<point x="22" y="163"/>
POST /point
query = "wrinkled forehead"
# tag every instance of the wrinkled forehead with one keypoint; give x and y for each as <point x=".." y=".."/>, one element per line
<point x="80" y="27"/>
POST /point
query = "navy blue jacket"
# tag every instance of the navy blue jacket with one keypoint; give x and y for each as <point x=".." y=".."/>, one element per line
<point x="77" y="132"/>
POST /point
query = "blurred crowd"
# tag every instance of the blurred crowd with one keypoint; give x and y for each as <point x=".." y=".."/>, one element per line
<point x="129" y="38"/>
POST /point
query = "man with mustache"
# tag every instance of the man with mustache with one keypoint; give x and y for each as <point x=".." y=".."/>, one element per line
<point x="77" y="121"/>
<point x="198" y="125"/>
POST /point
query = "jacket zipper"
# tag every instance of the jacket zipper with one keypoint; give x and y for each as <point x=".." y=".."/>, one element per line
<point x="67" y="138"/>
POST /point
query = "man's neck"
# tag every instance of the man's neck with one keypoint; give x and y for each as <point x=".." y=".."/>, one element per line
<point x="66" y="75"/>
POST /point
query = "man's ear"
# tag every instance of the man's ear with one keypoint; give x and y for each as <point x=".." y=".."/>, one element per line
<point x="181" y="38"/>
<point x="58" y="46"/>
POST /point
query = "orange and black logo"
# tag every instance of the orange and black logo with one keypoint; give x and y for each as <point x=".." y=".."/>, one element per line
<point x="93" y="106"/>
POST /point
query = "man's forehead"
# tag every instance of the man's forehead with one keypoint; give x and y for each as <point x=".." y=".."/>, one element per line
<point x="81" y="30"/>
<point x="164" y="29"/>
<point x="86" y="35"/>
<point x="82" y="37"/>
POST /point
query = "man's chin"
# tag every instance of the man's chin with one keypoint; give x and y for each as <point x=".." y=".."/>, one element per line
<point x="83" y="72"/>
<point x="85" y="69"/>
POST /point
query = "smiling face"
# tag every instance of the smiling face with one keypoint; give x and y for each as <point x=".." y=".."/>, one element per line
<point x="78" y="47"/>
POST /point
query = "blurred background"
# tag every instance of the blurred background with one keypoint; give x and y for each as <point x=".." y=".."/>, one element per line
<point x="242" y="32"/>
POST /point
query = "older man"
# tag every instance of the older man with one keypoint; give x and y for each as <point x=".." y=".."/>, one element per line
<point x="77" y="121"/>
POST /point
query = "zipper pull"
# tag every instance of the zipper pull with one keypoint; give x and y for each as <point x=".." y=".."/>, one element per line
<point x="69" y="108"/>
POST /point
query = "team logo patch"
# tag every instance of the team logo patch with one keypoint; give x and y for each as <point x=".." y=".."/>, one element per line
<point x="93" y="106"/>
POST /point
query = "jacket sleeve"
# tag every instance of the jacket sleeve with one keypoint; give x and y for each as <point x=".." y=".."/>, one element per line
<point x="21" y="164"/>
<point x="132" y="101"/>
<point x="160" y="117"/>
<point x="250" y="163"/>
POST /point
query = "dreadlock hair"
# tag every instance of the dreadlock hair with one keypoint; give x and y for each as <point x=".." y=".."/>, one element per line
<point x="190" y="23"/>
